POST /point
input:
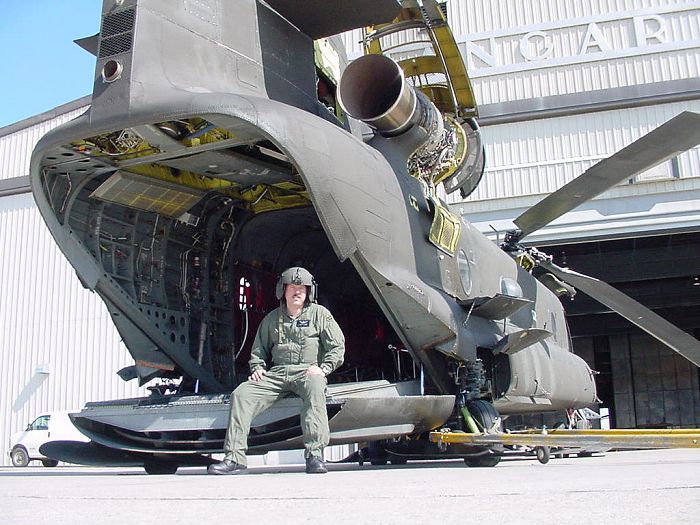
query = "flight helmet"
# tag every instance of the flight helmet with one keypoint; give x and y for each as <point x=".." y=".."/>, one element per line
<point x="297" y="275"/>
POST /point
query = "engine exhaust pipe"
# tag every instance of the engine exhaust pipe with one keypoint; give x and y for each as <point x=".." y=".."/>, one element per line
<point x="374" y="90"/>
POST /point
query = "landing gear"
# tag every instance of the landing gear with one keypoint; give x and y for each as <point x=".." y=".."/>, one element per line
<point x="160" y="467"/>
<point x="486" y="417"/>
<point x="482" y="461"/>
<point x="49" y="462"/>
<point x="377" y="454"/>
<point x="397" y="460"/>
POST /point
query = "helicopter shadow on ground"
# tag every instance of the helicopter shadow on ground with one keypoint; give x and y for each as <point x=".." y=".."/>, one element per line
<point x="70" y="471"/>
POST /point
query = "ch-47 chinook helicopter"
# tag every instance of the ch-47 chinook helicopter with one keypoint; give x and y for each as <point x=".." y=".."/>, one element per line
<point x="224" y="143"/>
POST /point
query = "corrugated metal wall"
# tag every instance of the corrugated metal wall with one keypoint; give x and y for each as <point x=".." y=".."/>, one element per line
<point x="47" y="320"/>
<point x="575" y="63"/>
<point x="481" y="16"/>
<point x="489" y="34"/>
<point x="16" y="148"/>
<point x="540" y="156"/>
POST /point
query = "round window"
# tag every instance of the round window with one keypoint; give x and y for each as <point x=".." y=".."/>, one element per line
<point x="465" y="274"/>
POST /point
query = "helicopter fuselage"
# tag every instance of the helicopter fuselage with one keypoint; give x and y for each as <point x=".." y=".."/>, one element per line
<point x="190" y="183"/>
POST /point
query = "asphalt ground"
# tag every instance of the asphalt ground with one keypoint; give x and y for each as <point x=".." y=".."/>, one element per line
<point x="635" y="487"/>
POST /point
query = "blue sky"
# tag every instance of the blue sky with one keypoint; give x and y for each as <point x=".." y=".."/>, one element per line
<point x="40" y="66"/>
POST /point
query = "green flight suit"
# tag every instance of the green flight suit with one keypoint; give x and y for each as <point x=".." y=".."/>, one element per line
<point x="292" y="345"/>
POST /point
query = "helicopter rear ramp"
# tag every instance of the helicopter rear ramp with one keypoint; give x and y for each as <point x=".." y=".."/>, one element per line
<point x="185" y="427"/>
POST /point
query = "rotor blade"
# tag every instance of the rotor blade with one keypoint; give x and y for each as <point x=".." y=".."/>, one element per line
<point x="636" y="313"/>
<point x="668" y="140"/>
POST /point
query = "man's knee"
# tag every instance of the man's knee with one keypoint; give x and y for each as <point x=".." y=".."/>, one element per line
<point x="241" y="392"/>
<point x="245" y="396"/>
<point x="315" y="387"/>
<point x="316" y="382"/>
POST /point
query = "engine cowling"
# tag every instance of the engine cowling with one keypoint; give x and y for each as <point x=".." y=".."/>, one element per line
<point x="374" y="89"/>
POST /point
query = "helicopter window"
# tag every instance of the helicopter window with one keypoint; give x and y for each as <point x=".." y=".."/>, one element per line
<point x="510" y="287"/>
<point x="464" y="271"/>
<point x="328" y="67"/>
<point x="553" y="321"/>
<point x="243" y="294"/>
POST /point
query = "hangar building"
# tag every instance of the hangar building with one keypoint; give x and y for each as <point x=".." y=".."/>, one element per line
<point x="560" y="86"/>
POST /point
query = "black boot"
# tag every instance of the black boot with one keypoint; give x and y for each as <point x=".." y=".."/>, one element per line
<point x="227" y="467"/>
<point x="315" y="465"/>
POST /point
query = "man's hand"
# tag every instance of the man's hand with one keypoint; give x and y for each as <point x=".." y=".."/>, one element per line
<point x="315" y="370"/>
<point x="258" y="374"/>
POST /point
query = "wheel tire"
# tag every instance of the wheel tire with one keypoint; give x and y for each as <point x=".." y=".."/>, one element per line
<point x="377" y="454"/>
<point x="483" y="412"/>
<point x="543" y="454"/>
<point x="485" y="415"/>
<point x="49" y="462"/>
<point x="482" y="461"/>
<point x="156" y="468"/>
<point x="397" y="460"/>
<point x="20" y="458"/>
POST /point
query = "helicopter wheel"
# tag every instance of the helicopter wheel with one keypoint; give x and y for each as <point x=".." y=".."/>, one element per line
<point x="486" y="417"/>
<point x="484" y="413"/>
<point x="482" y="461"/>
<point x="377" y="454"/>
<point x="397" y="460"/>
<point x="160" y="467"/>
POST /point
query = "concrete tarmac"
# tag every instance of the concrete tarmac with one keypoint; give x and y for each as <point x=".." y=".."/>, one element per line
<point x="632" y="487"/>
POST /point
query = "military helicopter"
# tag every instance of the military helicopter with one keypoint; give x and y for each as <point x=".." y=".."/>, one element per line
<point x="227" y="141"/>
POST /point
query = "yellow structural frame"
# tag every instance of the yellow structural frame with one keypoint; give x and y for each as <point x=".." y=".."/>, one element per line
<point x="458" y="96"/>
<point x="258" y="198"/>
<point x="574" y="438"/>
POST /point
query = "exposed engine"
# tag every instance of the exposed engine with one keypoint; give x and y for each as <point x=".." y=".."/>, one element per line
<point x="375" y="90"/>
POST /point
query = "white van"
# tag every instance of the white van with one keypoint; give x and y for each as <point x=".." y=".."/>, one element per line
<point x="53" y="426"/>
